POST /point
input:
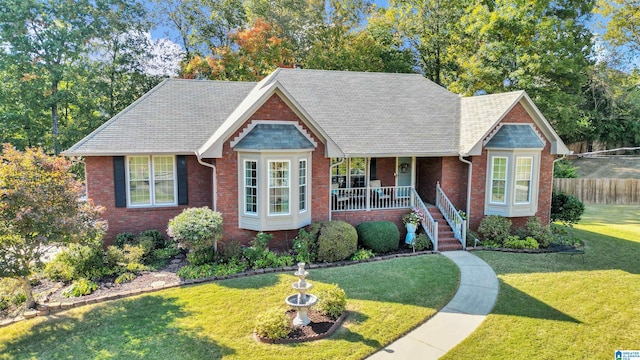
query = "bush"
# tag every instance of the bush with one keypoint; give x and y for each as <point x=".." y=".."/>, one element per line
<point x="332" y="301"/>
<point x="202" y="256"/>
<point x="166" y="253"/>
<point x="337" y="240"/>
<point x="80" y="287"/>
<point x="196" y="228"/>
<point x="514" y="242"/>
<point x="75" y="262"/>
<point x="566" y="208"/>
<point x="273" y="324"/>
<point x="125" y="238"/>
<point x="158" y="239"/>
<point x="533" y="228"/>
<point x="495" y="228"/>
<point x="565" y="169"/>
<point x="231" y="250"/>
<point x="11" y="292"/>
<point x="379" y="236"/>
<point x="306" y="247"/>
<point x="423" y="242"/>
<point x="362" y="254"/>
<point x="125" y="278"/>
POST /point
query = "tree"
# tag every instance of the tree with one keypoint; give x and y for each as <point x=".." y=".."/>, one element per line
<point x="623" y="26"/>
<point x="40" y="207"/>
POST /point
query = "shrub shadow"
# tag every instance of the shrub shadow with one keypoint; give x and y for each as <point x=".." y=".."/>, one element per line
<point x="140" y="328"/>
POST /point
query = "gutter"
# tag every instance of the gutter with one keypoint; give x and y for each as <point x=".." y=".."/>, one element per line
<point x="468" y="187"/>
<point x="213" y="180"/>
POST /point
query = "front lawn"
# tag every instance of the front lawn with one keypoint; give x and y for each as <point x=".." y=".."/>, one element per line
<point x="215" y="320"/>
<point x="566" y="309"/>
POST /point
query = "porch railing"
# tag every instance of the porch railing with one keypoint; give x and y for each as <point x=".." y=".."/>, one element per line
<point x="429" y="225"/>
<point x="369" y="198"/>
<point x="452" y="215"/>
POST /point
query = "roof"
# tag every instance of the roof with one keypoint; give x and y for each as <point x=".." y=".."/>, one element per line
<point x="353" y="113"/>
<point x="274" y="136"/>
<point x="515" y="136"/>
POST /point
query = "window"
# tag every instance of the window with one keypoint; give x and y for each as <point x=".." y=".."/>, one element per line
<point x="279" y="187"/>
<point x="523" y="180"/>
<point x="499" y="180"/>
<point x="251" y="187"/>
<point x="151" y="180"/>
<point x="349" y="172"/>
<point x="302" y="185"/>
<point x="339" y="172"/>
<point x="357" y="172"/>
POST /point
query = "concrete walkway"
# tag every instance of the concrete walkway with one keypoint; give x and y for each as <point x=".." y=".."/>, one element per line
<point x="458" y="319"/>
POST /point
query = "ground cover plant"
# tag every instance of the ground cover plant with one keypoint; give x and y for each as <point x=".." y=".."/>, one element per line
<point x="216" y="320"/>
<point x="557" y="307"/>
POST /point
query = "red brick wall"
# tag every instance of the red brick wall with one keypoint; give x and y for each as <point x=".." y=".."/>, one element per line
<point x="517" y="115"/>
<point x="357" y="217"/>
<point x="227" y="167"/>
<point x="429" y="172"/>
<point x="100" y="188"/>
<point x="385" y="170"/>
<point x="454" y="181"/>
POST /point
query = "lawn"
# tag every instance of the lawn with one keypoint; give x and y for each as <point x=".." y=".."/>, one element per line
<point x="215" y="320"/>
<point x="566" y="309"/>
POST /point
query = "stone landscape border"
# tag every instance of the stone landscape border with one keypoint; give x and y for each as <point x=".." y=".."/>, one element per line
<point x="56" y="307"/>
<point x="331" y="330"/>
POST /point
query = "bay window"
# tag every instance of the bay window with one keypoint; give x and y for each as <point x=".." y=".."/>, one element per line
<point x="512" y="182"/>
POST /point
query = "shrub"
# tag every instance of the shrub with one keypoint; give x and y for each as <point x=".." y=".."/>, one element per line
<point x="125" y="278"/>
<point x="514" y="242"/>
<point x="337" y="240"/>
<point x="80" y="287"/>
<point x="196" y="228"/>
<point x="231" y="250"/>
<point x="566" y="208"/>
<point x="565" y="169"/>
<point x="495" y="228"/>
<point x="379" y="236"/>
<point x="202" y="256"/>
<point x="273" y="324"/>
<point x="158" y="240"/>
<point x="133" y="254"/>
<point x="285" y="260"/>
<point x="11" y="292"/>
<point x="306" y="247"/>
<point x="332" y="301"/>
<point x="166" y="253"/>
<point x="125" y="238"/>
<point x="533" y="228"/>
<point x="423" y="242"/>
<point x="362" y="254"/>
<point x="75" y="262"/>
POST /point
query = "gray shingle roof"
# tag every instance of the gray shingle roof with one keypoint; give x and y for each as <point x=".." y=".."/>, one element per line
<point x="274" y="136"/>
<point x="511" y="136"/>
<point x="177" y="116"/>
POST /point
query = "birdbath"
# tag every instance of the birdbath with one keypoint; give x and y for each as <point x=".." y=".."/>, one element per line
<point x="301" y="302"/>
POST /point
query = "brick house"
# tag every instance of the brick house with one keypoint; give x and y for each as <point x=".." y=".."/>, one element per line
<point x="310" y="145"/>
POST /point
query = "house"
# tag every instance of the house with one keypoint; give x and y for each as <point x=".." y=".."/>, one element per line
<point x="311" y="145"/>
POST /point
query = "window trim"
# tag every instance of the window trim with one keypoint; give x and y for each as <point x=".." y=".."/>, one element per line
<point x="245" y="187"/>
<point x="152" y="190"/>
<point x="288" y="187"/>
<point x="511" y="208"/>
<point x="505" y="180"/>
<point x="515" y="181"/>
<point x="301" y="185"/>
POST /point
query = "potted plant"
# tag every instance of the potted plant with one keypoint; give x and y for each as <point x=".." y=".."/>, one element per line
<point x="411" y="220"/>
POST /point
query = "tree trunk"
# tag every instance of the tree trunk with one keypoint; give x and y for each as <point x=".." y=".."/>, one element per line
<point x="26" y="286"/>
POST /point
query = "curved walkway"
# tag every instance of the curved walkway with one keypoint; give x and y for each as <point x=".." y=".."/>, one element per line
<point x="458" y="319"/>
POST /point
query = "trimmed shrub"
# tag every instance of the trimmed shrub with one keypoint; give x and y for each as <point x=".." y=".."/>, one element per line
<point x="362" y="254"/>
<point x="566" y="208"/>
<point x="274" y="324"/>
<point x="125" y="238"/>
<point x="332" y="301"/>
<point x="306" y="247"/>
<point x="379" y="236"/>
<point x="158" y="239"/>
<point x="495" y="228"/>
<point x="514" y="242"/>
<point x="337" y="240"/>
<point x="423" y="242"/>
<point x="196" y="228"/>
<point x="80" y="287"/>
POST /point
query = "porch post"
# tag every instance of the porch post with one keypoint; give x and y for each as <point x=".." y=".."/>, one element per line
<point x="368" y="178"/>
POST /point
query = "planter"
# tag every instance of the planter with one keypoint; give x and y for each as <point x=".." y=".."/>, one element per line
<point x="411" y="233"/>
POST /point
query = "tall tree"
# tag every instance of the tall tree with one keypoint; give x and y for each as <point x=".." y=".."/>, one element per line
<point x="623" y="26"/>
<point x="540" y="46"/>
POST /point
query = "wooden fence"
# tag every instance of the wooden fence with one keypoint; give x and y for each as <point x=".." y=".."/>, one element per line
<point x="601" y="191"/>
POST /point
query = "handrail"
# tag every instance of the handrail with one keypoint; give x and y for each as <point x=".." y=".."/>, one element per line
<point x="452" y="216"/>
<point x="429" y="225"/>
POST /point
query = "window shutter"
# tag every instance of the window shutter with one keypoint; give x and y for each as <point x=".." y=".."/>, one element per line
<point x="183" y="193"/>
<point x="119" y="185"/>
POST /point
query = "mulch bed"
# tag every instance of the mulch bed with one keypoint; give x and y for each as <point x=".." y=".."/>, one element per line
<point x="320" y="327"/>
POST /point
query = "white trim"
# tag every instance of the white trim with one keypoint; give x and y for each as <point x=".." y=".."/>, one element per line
<point x="497" y="128"/>
<point x="510" y="208"/>
<point x="152" y="193"/>
<point x="288" y="187"/>
<point x="306" y="185"/>
<point x="244" y="187"/>
<point x="254" y="123"/>
<point x="515" y="180"/>
<point x="506" y="180"/>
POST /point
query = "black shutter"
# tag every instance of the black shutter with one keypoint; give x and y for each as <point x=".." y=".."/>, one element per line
<point x="183" y="191"/>
<point x="119" y="185"/>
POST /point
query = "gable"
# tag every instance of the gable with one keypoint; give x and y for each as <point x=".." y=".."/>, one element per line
<point x="514" y="136"/>
<point x="275" y="136"/>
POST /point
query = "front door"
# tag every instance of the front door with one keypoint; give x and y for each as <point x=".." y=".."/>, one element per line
<point x="404" y="176"/>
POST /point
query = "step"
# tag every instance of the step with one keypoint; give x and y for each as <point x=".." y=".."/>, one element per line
<point x="449" y="247"/>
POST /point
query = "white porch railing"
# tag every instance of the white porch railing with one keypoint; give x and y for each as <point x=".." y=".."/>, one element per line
<point x="452" y="215"/>
<point x="429" y="225"/>
<point x="368" y="198"/>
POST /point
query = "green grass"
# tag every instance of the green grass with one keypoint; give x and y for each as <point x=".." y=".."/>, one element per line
<point x="553" y="307"/>
<point x="216" y="320"/>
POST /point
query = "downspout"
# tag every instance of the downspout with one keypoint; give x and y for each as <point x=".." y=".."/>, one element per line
<point x="330" y="171"/>
<point x="213" y="180"/>
<point x="466" y="222"/>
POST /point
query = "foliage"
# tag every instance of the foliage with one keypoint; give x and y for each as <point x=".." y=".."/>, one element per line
<point x="258" y="255"/>
<point x="495" y="228"/>
<point x="362" y="254"/>
<point x="201" y="256"/>
<point x="230" y="250"/>
<point x="39" y="208"/>
<point x="422" y="242"/>
<point x="158" y="240"/>
<point x="566" y="208"/>
<point x="11" y="293"/>
<point x="564" y="169"/>
<point x="273" y="324"/>
<point x="514" y="242"/>
<point x="332" y="301"/>
<point x="379" y="236"/>
<point x="211" y="269"/>
<point x="196" y="228"/>
<point x="623" y="25"/>
<point x="337" y="240"/>
<point x="415" y="216"/>
<point x="125" y="238"/>
<point x="533" y="228"/>
<point x="305" y="247"/>
<point x="80" y="287"/>
<point x="125" y="277"/>
<point x="76" y="262"/>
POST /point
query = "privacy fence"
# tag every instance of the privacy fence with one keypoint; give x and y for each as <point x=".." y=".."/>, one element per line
<point x="601" y="191"/>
